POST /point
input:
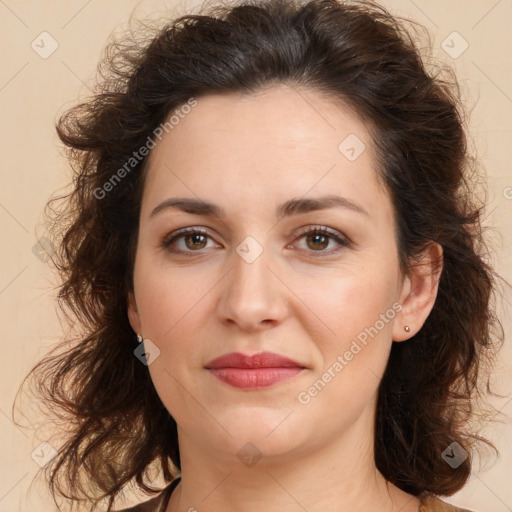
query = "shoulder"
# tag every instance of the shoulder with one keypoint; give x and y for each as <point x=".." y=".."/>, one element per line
<point x="148" y="506"/>
<point x="156" y="504"/>
<point x="433" y="504"/>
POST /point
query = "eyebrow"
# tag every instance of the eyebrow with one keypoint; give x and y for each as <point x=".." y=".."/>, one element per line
<point x="294" y="206"/>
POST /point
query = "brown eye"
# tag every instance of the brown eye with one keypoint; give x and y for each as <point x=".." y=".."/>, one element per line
<point x="319" y="238"/>
<point x="194" y="239"/>
<point x="197" y="241"/>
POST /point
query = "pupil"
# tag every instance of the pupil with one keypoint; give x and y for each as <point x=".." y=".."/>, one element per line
<point x="316" y="237"/>
<point x="196" y="239"/>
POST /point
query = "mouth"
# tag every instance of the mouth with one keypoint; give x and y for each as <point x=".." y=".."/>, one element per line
<point x="254" y="371"/>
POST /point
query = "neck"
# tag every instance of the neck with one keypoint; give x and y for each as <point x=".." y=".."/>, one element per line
<point x="339" y="476"/>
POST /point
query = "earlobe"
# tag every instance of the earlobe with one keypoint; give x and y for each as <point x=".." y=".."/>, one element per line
<point x="419" y="292"/>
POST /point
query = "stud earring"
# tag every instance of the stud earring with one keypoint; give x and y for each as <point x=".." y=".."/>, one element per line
<point x="139" y="338"/>
<point x="407" y="328"/>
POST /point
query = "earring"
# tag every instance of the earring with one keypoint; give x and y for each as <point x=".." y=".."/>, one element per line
<point x="139" y="338"/>
<point x="407" y="328"/>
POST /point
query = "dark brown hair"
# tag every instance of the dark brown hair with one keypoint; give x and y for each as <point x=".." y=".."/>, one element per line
<point x="359" y="53"/>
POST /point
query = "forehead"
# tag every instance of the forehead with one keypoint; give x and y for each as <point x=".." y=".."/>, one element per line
<point x="263" y="148"/>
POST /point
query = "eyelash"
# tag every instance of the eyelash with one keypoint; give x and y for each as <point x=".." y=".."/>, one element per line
<point x="316" y="230"/>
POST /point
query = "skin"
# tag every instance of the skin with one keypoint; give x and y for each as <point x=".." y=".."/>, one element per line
<point x="248" y="154"/>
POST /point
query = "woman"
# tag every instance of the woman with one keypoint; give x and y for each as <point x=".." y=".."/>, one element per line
<point x="278" y="264"/>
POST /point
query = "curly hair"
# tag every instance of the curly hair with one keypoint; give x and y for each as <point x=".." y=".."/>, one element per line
<point x="118" y="428"/>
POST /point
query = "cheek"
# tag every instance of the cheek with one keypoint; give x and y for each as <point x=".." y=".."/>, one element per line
<point x="352" y="358"/>
<point x="348" y="304"/>
<point x="176" y="304"/>
<point x="167" y="297"/>
<point x="172" y="309"/>
<point x="353" y="353"/>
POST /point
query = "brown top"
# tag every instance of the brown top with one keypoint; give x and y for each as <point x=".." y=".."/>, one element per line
<point x="159" y="503"/>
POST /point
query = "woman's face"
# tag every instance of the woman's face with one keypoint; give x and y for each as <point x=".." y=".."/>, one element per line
<point x="255" y="281"/>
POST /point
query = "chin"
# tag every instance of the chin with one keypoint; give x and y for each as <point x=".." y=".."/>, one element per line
<point x="271" y="432"/>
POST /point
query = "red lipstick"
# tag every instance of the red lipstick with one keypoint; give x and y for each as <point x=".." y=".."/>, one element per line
<point x="253" y="372"/>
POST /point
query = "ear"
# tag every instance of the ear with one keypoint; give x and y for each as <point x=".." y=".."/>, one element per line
<point x="133" y="313"/>
<point x="419" y="292"/>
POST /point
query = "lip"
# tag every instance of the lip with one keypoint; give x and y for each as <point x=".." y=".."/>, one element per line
<point x="254" y="371"/>
<point x="260" y="360"/>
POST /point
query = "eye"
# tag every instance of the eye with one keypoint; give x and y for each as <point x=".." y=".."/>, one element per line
<point x="194" y="240"/>
<point x="319" y="237"/>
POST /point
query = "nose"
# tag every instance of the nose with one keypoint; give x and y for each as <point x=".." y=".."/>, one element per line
<point x="253" y="295"/>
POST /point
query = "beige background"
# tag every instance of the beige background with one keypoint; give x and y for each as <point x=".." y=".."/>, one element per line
<point x="34" y="90"/>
